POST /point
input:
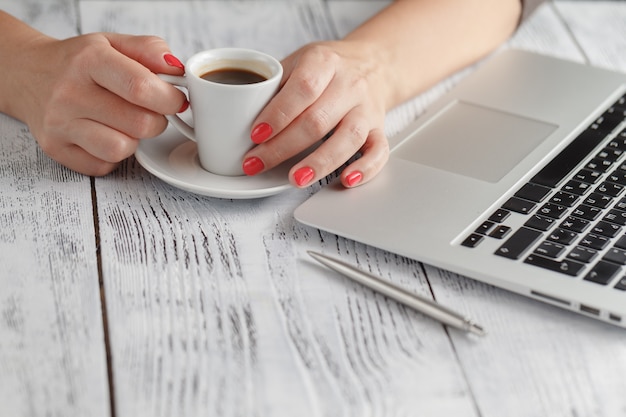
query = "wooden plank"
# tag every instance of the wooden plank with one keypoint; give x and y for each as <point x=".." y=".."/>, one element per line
<point x="214" y="308"/>
<point x="52" y="353"/>
<point x="603" y="44"/>
<point x="539" y="360"/>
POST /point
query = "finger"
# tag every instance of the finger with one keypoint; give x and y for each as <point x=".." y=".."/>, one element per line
<point x="374" y="156"/>
<point x="310" y="127"/>
<point x="349" y="136"/>
<point x="110" y="110"/>
<point x="81" y="161"/>
<point x="135" y="83"/>
<point x="307" y="77"/>
<point x="100" y="141"/>
<point x="150" y="51"/>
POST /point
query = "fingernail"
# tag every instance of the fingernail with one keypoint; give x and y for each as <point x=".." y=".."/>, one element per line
<point x="303" y="176"/>
<point x="172" y="61"/>
<point x="261" y="132"/>
<point x="252" y="166"/>
<point x="354" y="178"/>
<point x="184" y="107"/>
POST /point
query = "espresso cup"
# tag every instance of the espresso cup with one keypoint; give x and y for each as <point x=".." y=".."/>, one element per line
<point x="227" y="89"/>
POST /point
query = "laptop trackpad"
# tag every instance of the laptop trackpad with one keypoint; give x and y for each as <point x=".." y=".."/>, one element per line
<point x="474" y="141"/>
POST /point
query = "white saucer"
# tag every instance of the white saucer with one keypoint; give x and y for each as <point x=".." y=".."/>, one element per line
<point x="174" y="159"/>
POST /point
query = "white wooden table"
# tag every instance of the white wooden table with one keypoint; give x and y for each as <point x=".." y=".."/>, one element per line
<point x="123" y="296"/>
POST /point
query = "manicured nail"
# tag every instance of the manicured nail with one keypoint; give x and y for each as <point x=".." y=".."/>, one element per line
<point x="252" y="166"/>
<point x="261" y="132"/>
<point x="303" y="176"/>
<point x="172" y="61"/>
<point x="354" y="178"/>
<point x="184" y="107"/>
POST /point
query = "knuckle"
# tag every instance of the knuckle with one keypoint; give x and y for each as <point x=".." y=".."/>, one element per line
<point x="150" y="44"/>
<point x="118" y="150"/>
<point x="146" y="125"/>
<point x="308" y="85"/>
<point x="47" y="145"/>
<point x="323" y="53"/>
<point x="317" y="123"/>
<point x="356" y="133"/>
<point x="87" y="52"/>
<point x="138" y="88"/>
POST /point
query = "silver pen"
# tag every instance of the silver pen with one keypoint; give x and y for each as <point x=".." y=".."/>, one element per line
<point x="428" y="307"/>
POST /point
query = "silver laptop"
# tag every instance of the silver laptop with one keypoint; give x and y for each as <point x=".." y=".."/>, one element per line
<point x="516" y="177"/>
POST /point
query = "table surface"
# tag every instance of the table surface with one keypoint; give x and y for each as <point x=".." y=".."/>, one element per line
<point x="124" y="296"/>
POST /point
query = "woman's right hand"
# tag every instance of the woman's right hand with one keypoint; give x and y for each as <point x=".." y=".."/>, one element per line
<point x="88" y="99"/>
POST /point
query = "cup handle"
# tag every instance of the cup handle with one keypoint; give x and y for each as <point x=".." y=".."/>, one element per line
<point x="174" y="119"/>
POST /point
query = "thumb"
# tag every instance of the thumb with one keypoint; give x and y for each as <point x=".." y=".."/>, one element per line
<point x="150" y="51"/>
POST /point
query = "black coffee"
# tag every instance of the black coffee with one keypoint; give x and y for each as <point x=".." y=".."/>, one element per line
<point x="233" y="76"/>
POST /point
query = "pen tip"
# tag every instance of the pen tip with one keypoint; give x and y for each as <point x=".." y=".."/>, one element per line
<point x="476" y="329"/>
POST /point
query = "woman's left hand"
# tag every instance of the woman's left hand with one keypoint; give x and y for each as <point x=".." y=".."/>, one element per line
<point x="338" y="87"/>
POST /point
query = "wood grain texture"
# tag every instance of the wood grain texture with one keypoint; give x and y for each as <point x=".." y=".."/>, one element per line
<point x="52" y="353"/>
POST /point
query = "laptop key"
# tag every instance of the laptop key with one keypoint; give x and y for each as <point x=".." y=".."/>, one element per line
<point x="550" y="249"/>
<point x="606" y="229"/>
<point x="518" y="205"/>
<point x="618" y="176"/>
<point x="562" y="236"/>
<point x="609" y="188"/>
<point x="576" y="187"/>
<point x="564" y="199"/>
<point x="533" y="192"/>
<point x="574" y="224"/>
<point x="586" y="212"/>
<point x="599" y="164"/>
<point x="616" y="255"/>
<point x="621" y="243"/>
<point x="484" y="228"/>
<point x="554" y="172"/>
<point x="597" y="242"/>
<point x="582" y="254"/>
<point x="616" y="216"/>
<point x="598" y="200"/>
<point x="499" y="215"/>
<point x="540" y="222"/>
<point x="566" y="266"/>
<point x="602" y="273"/>
<point x="588" y="176"/>
<point x="472" y="240"/>
<point x="518" y="243"/>
<point x="621" y="284"/>
<point x="555" y="211"/>
<point x="500" y="232"/>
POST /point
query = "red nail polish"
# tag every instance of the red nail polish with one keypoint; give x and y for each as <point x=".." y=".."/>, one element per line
<point x="172" y="61"/>
<point x="261" y="132"/>
<point x="184" y="107"/>
<point x="354" y="178"/>
<point x="303" y="176"/>
<point x="252" y="166"/>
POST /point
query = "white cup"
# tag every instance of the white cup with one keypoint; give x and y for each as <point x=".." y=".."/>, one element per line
<point x="223" y="113"/>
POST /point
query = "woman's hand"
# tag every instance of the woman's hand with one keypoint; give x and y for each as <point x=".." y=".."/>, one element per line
<point x="87" y="100"/>
<point x="336" y="87"/>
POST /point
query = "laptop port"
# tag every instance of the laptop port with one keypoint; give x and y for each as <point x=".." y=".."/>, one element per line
<point x="589" y="310"/>
<point x="549" y="297"/>
<point x="615" y="317"/>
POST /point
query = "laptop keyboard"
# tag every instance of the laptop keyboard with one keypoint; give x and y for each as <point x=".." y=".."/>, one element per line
<point x="575" y="220"/>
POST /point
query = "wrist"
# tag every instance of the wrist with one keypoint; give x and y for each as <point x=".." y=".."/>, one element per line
<point x="18" y="41"/>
